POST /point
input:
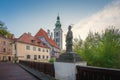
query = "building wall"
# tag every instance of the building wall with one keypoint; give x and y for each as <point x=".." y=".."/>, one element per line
<point x="5" y="49"/>
<point x="22" y="52"/>
<point x="4" y="57"/>
<point x="53" y="51"/>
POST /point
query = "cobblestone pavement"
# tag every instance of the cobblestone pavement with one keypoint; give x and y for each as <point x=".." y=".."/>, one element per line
<point x="10" y="71"/>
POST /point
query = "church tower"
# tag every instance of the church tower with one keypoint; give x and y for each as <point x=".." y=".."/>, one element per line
<point x="58" y="33"/>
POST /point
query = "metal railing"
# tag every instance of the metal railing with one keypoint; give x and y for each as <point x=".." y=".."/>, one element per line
<point x="46" y="68"/>
<point x="96" y="73"/>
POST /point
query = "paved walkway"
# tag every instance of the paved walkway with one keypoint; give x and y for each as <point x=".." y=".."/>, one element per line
<point x="10" y="71"/>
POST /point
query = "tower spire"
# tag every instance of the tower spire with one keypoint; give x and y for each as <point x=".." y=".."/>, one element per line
<point x="58" y="24"/>
<point x="58" y="18"/>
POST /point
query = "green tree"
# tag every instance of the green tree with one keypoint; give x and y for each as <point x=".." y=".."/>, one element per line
<point x="3" y="30"/>
<point x="101" y="50"/>
<point x="78" y="45"/>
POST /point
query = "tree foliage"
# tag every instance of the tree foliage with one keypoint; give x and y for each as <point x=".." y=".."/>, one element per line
<point x="101" y="50"/>
<point x="3" y="30"/>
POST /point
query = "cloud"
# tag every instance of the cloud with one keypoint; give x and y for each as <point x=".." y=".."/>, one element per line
<point x="108" y="16"/>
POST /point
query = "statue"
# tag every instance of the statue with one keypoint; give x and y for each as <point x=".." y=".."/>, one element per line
<point x="69" y="38"/>
<point x="69" y="55"/>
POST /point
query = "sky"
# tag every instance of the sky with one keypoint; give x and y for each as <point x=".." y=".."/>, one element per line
<point x="108" y="16"/>
<point x="22" y="16"/>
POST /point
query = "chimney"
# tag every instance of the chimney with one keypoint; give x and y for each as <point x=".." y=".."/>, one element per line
<point x="48" y="32"/>
<point x="29" y="33"/>
<point x="51" y="36"/>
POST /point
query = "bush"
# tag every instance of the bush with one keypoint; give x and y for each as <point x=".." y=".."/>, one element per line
<point x="52" y="60"/>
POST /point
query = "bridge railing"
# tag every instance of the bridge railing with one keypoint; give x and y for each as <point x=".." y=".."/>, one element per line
<point x="46" y="68"/>
<point x="95" y="73"/>
<point x="82" y="72"/>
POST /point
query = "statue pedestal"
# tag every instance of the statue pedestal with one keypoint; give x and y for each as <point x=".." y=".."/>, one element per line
<point x="69" y="57"/>
<point x="65" y="66"/>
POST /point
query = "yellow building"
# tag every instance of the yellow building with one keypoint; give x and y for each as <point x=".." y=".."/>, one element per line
<point x="30" y="48"/>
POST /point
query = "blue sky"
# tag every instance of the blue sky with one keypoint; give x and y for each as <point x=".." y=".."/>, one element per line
<point x="30" y="15"/>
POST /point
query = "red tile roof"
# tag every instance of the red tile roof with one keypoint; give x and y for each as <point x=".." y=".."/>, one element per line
<point x="43" y="33"/>
<point x="27" y="38"/>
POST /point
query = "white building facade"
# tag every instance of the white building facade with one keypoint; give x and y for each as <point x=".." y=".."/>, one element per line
<point x="58" y="33"/>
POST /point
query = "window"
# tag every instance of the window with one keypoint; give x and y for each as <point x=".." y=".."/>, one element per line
<point x="34" y="48"/>
<point x="39" y="49"/>
<point x="4" y="50"/>
<point x="44" y="44"/>
<point x="46" y="50"/>
<point x="57" y="40"/>
<point x="43" y="56"/>
<point x="4" y="43"/>
<point x="15" y="46"/>
<point x="35" y="57"/>
<point x="27" y="47"/>
<point x="4" y="58"/>
<point x="38" y="43"/>
<point x="28" y="56"/>
<point x="46" y="57"/>
<point x="43" y="50"/>
<point x="56" y="33"/>
<point x="32" y="41"/>
<point x="39" y="56"/>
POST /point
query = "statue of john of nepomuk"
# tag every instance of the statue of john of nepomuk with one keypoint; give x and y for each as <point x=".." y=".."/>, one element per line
<point x="69" y="38"/>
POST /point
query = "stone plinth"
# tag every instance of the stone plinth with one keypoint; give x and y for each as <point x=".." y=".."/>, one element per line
<point x="65" y="66"/>
<point x="69" y="57"/>
<point x="66" y="71"/>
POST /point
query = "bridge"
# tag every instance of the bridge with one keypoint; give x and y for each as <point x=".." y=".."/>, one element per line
<point x="28" y="70"/>
<point x="10" y="71"/>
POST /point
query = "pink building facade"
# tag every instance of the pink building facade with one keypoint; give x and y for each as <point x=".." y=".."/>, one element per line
<point x="5" y="49"/>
